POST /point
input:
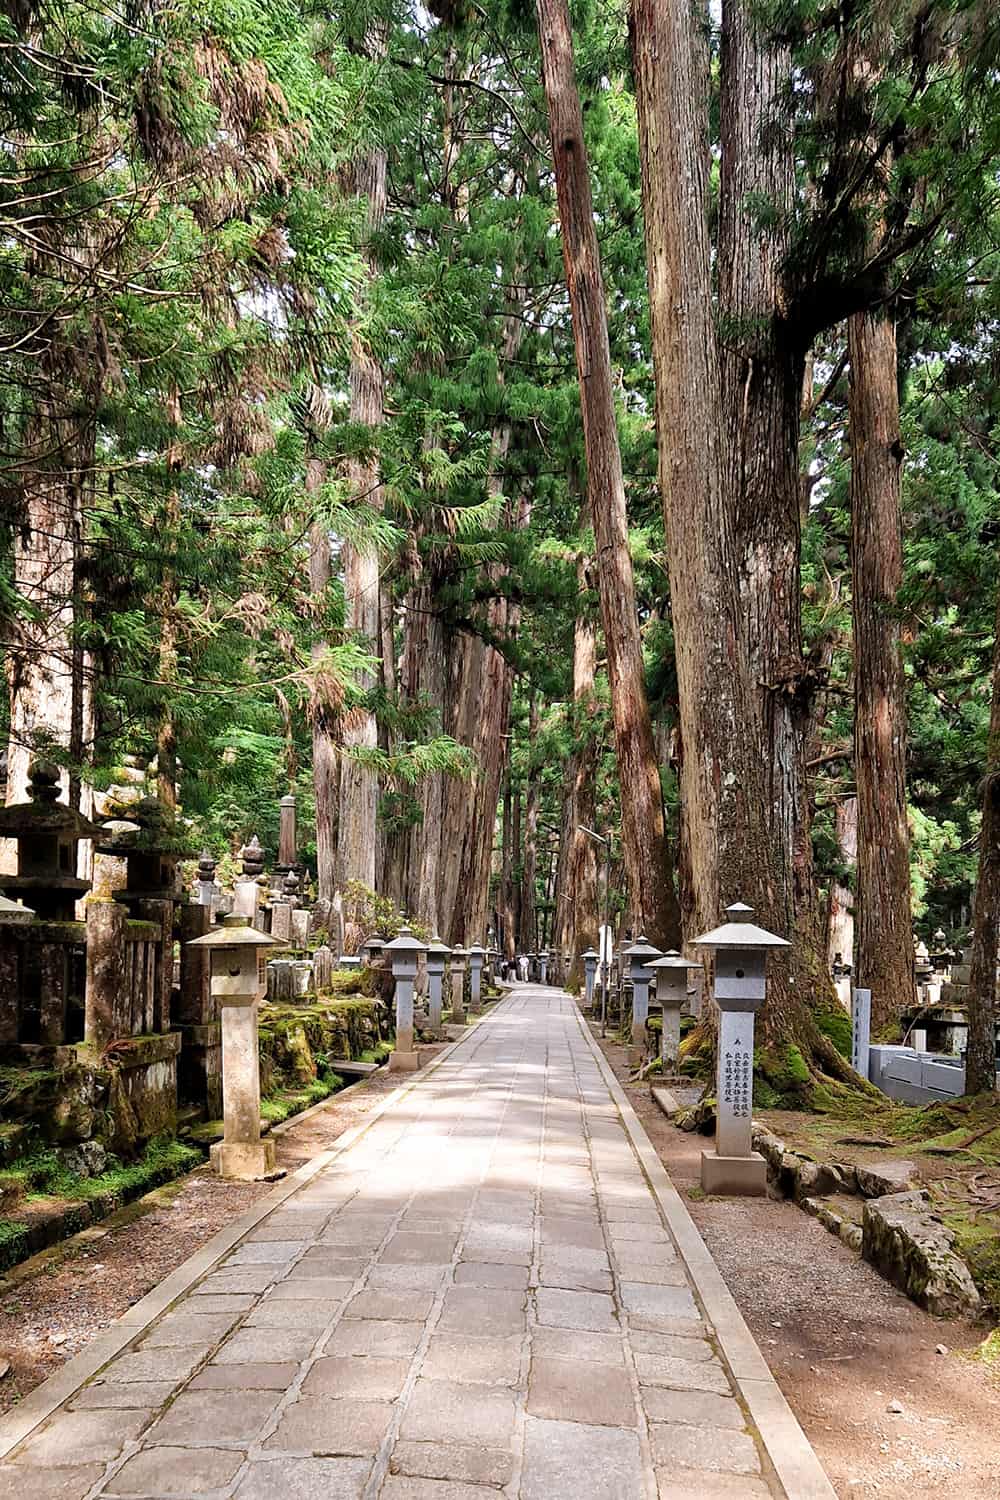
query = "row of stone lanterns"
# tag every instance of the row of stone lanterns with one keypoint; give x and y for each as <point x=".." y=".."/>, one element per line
<point x="239" y="982"/>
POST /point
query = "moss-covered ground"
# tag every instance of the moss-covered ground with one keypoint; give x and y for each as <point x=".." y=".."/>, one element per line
<point x="299" y="1047"/>
<point x="955" y="1150"/>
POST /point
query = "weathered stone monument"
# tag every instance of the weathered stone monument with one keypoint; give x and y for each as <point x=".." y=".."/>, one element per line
<point x="404" y="953"/>
<point x="288" y="856"/>
<point x="670" y="974"/>
<point x="246" y="898"/>
<point x="590" y="959"/>
<point x="476" y="957"/>
<point x="322" y="968"/>
<point x="238" y="980"/>
<point x="207" y="889"/>
<point x="42" y="961"/>
<point x="436" y="957"/>
<point x="543" y="966"/>
<point x="861" y="1030"/>
<point x="458" y="960"/>
<point x="637" y="957"/>
<point x="740" y="949"/>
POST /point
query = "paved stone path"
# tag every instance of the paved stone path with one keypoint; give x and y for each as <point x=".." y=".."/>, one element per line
<point x="479" y="1295"/>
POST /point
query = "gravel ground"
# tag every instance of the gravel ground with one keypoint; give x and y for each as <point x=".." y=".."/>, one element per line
<point x="843" y="1344"/>
<point x="53" y="1305"/>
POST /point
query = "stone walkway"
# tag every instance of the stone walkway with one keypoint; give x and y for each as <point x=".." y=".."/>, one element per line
<point x="479" y="1295"/>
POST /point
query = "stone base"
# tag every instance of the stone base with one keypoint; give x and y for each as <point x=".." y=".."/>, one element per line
<point x="403" y="1062"/>
<point x="734" y="1176"/>
<point x="246" y="1161"/>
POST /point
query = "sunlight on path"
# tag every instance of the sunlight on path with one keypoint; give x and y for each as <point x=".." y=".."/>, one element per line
<point x="480" y="1291"/>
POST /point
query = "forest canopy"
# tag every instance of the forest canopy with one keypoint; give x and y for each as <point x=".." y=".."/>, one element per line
<point x="503" y="425"/>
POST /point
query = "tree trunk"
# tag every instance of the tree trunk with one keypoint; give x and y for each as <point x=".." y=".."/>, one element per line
<point x="980" y="1062"/>
<point x="724" y="843"/>
<point x="324" y="713"/>
<point x="650" y="880"/>
<point x="505" y="937"/>
<point x="731" y="494"/>
<point x="581" y="915"/>
<point x="516" y="874"/>
<point x="357" y="834"/>
<point x="529" y="859"/>
<point x="884" y="947"/>
<point x="840" y="920"/>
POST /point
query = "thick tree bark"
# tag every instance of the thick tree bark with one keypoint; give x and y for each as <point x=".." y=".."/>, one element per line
<point x="884" y="946"/>
<point x="723" y="839"/>
<point x="517" y="871"/>
<point x="840" y="918"/>
<point x="423" y="675"/>
<point x="359" y="787"/>
<point x="529" y="857"/>
<point x="980" y="1062"/>
<point x="731" y="492"/>
<point x="506" y="935"/>
<point x="762" y="375"/>
<point x="651" y="888"/>
<point x="324" y="716"/>
<point x="579" y="909"/>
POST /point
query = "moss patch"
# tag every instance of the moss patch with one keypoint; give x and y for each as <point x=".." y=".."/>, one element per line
<point x="54" y="1202"/>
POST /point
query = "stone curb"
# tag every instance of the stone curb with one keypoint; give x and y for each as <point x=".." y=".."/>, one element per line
<point x="61" y="1387"/>
<point x="798" y="1469"/>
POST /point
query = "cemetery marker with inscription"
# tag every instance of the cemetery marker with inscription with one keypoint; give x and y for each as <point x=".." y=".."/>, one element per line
<point x="740" y="950"/>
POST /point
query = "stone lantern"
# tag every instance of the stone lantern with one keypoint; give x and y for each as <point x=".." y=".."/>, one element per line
<point x="435" y="958"/>
<point x="670" y="977"/>
<point x="543" y="966"/>
<point x="404" y="953"/>
<point x="373" y="948"/>
<point x="239" y="981"/>
<point x="740" y="950"/>
<point x="638" y="956"/>
<point x="458" y="961"/>
<point x="591" y="958"/>
<point x="477" y="956"/>
<point x="47" y="834"/>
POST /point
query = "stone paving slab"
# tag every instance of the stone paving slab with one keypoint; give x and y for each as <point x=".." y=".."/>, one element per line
<point x="490" y="1290"/>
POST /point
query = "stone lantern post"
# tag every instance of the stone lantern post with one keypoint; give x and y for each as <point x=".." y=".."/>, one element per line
<point x="435" y="958"/>
<point x="638" y="956"/>
<point x="543" y="966"/>
<point x="404" y="952"/>
<point x="740" y="950"/>
<point x="670" y="975"/>
<point x="591" y="958"/>
<point x="476" y="958"/>
<point x="239" y="982"/>
<point x="458" y="960"/>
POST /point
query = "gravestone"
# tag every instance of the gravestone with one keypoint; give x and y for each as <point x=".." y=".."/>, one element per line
<point x="861" y="1030"/>
<point x="281" y="923"/>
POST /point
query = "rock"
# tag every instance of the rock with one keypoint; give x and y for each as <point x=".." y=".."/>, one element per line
<point x="768" y="1144"/>
<point x="904" y="1240"/>
<point x="88" y="1159"/>
<point x="814" y="1179"/>
<point x="941" y="1349"/>
<point x="884" y="1178"/>
<point x="4" y="1368"/>
<point x="851" y="1235"/>
<point x="896" y="1407"/>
